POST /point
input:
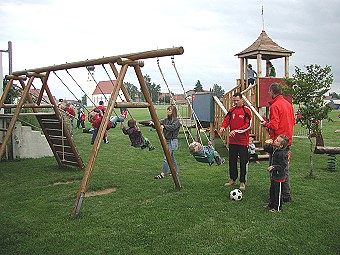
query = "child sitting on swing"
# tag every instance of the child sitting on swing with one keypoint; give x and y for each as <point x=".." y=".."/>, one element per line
<point x="136" y="137"/>
<point x="197" y="149"/>
<point x="96" y="119"/>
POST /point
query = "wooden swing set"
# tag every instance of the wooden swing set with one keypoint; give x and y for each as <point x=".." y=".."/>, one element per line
<point x="55" y="129"/>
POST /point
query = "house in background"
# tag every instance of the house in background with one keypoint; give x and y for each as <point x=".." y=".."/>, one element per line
<point x="103" y="91"/>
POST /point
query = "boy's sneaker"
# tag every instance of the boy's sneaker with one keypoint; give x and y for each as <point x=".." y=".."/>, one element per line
<point x="105" y="140"/>
<point x="212" y="162"/>
<point x="151" y="148"/>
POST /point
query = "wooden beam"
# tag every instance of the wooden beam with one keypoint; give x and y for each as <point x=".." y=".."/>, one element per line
<point x="132" y="105"/>
<point x="28" y="106"/>
<point x="326" y="150"/>
<point x="157" y="125"/>
<point x="105" y="60"/>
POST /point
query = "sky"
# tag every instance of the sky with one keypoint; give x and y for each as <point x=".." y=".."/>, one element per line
<point x="52" y="32"/>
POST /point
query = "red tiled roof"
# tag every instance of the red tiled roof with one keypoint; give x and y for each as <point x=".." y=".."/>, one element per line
<point x="104" y="87"/>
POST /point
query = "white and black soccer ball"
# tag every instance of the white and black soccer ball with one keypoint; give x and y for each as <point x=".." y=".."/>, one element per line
<point x="236" y="195"/>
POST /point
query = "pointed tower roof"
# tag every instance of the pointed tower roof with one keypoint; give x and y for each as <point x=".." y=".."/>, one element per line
<point x="265" y="46"/>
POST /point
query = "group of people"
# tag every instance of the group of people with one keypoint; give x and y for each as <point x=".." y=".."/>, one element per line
<point x="280" y="126"/>
<point x="252" y="74"/>
<point x="238" y="119"/>
<point x="68" y="110"/>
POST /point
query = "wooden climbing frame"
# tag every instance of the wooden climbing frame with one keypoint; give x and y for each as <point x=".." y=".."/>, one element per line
<point x="125" y="61"/>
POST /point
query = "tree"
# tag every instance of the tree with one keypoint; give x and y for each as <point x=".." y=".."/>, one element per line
<point x="153" y="88"/>
<point x="198" y="86"/>
<point x="307" y="90"/>
<point x="218" y="90"/>
<point x="132" y="90"/>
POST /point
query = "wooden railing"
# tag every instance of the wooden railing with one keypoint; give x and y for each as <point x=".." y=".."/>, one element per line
<point x="222" y="106"/>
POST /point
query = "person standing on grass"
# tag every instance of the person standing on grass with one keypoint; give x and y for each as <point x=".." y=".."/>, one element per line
<point x="69" y="111"/>
<point x="170" y="126"/>
<point x="238" y="119"/>
<point x="281" y="121"/>
<point x="277" y="167"/>
<point x="81" y="115"/>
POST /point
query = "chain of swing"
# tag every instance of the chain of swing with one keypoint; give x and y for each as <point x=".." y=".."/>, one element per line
<point x="185" y="128"/>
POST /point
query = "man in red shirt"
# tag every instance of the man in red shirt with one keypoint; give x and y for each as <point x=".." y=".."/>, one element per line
<point x="281" y="121"/>
<point x="238" y="119"/>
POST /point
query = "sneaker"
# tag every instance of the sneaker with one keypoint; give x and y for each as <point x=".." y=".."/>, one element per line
<point x="242" y="186"/>
<point x="258" y="162"/>
<point x="274" y="210"/>
<point x="151" y="148"/>
<point x="230" y="183"/>
<point x="222" y="161"/>
<point x="105" y="140"/>
<point x="212" y="162"/>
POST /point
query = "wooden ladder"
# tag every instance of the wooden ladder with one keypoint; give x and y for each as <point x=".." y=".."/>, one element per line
<point x="52" y="122"/>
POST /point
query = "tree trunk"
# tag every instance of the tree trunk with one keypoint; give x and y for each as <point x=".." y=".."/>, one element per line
<point x="310" y="156"/>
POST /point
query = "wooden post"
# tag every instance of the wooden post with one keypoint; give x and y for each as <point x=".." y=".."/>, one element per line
<point x="157" y="126"/>
<point x="15" y="115"/>
<point x="97" y="142"/>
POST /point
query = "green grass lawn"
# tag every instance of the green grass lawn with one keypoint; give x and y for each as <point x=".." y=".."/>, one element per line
<point x="148" y="216"/>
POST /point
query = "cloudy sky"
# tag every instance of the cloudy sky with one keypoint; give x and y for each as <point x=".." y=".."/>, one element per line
<point x="48" y="32"/>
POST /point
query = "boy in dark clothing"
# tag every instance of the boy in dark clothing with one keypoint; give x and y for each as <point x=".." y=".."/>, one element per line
<point x="278" y="165"/>
<point x="136" y="137"/>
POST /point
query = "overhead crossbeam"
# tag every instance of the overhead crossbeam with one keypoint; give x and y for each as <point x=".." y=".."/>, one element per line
<point x="105" y="60"/>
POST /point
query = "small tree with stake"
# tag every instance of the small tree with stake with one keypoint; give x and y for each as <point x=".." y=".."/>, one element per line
<point x="307" y="90"/>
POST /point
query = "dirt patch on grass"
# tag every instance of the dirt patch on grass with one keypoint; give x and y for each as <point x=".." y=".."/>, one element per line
<point x="62" y="183"/>
<point x="100" y="192"/>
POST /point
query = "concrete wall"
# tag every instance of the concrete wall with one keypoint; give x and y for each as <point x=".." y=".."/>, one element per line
<point x="30" y="143"/>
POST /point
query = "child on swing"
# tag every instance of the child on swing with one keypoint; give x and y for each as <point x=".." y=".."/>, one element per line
<point x="197" y="149"/>
<point x="96" y="117"/>
<point x="136" y="137"/>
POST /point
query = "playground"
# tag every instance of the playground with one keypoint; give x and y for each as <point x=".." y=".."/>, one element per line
<point x="124" y="210"/>
<point x="146" y="216"/>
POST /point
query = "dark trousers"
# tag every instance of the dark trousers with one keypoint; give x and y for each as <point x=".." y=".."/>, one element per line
<point x="254" y="156"/>
<point x="236" y="151"/>
<point x="94" y="135"/>
<point x="285" y="185"/>
<point x="275" y="195"/>
<point x="286" y="188"/>
<point x="80" y="122"/>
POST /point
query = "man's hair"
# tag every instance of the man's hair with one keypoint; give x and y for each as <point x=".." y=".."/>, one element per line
<point x="285" y="140"/>
<point x="276" y="88"/>
<point x="193" y="147"/>
<point x="131" y="123"/>
<point x="101" y="103"/>
<point x="237" y="94"/>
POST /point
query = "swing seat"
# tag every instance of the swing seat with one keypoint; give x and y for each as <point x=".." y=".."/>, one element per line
<point x="209" y="158"/>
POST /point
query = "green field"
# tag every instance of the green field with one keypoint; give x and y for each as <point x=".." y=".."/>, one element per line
<point x="148" y="216"/>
